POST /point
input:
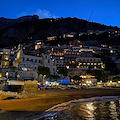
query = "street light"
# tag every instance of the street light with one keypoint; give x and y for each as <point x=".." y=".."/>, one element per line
<point x="110" y="81"/>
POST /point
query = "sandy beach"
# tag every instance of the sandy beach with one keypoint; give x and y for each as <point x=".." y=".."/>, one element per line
<point x="43" y="100"/>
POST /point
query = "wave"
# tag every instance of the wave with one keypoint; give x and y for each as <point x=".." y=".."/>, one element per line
<point x="53" y="112"/>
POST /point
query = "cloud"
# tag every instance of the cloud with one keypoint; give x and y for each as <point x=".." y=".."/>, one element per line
<point x="39" y="12"/>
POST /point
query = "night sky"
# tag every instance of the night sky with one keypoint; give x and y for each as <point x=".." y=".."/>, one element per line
<point x="104" y="11"/>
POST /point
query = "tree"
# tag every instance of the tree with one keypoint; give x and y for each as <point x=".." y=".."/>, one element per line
<point x="63" y="71"/>
<point x="77" y="78"/>
<point x="43" y="70"/>
<point x="116" y="79"/>
<point x="99" y="75"/>
<point x="54" y="77"/>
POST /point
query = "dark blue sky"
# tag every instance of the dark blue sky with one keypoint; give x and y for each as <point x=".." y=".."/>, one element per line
<point x="104" y="11"/>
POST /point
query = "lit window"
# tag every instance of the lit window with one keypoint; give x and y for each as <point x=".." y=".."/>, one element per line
<point x="88" y="63"/>
<point x="6" y="58"/>
<point x="61" y="58"/>
<point x="95" y="67"/>
<point x="91" y="63"/>
<point x="67" y="67"/>
<point x="99" y="63"/>
<point x="80" y="63"/>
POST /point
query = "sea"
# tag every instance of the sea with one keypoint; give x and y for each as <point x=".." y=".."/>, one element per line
<point x="96" y="108"/>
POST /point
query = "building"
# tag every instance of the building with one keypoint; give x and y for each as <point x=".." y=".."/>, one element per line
<point x="32" y="61"/>
<point x="87" y="63"/>
<point x="88" y="80"/>
<point x="5" y="62"/>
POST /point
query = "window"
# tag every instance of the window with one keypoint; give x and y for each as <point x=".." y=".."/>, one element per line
<point x="27" y="59"/>
<point x="48" y="61"/>
<point x="23" y="59"/>
<point x="39" y="61"/>
<point x="88" y="63"/>
<point x="99" y="63"/>
<point x="6" y="58"/>
<point x="46" y="56"/>
<point x="32" y="60"/>
<point x="35" y="60"/>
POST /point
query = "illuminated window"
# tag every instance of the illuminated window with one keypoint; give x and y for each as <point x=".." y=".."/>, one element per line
<point x="67" y="67"/>
<point x="0" y="75"/>
<point x="84" y="63"/>
<point x="91" y="63"/>
<point x="95" y="63"/>
<point x="61" y="58"/>
<point x="73" y="62"/>
<point x="88" y="63"/>
<point x="5" y="63"/>
<point x="6" y="58"/>
<point x="95" y="67"/>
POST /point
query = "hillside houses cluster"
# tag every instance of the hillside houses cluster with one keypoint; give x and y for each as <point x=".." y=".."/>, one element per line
<point x="111" y="34"/>
<point x="22" y="62"/>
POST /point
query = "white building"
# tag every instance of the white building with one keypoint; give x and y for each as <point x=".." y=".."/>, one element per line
<point x="31" y="62"/>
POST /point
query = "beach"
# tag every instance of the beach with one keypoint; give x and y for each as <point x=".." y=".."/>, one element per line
<point x="43" y="100"/>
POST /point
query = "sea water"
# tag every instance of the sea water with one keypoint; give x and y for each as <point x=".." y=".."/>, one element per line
<point x="97" y="108"/>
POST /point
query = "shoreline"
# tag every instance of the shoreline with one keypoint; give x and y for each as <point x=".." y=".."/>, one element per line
<point x="21" y="108"/>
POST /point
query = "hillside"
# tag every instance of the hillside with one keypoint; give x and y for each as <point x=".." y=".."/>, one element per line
<point x="14" y="31"/>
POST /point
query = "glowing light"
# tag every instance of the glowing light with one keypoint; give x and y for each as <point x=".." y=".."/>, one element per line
<point x="111" y="51"/>
<point x="0" y="75"/>
<point x="67" y="67"/>
<point x="46" y="82"/>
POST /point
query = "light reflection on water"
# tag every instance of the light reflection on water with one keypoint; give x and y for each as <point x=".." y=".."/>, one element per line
<point x="96" y="110"/>
<point x="92" y="111"/>
<point x="112" y="109"/>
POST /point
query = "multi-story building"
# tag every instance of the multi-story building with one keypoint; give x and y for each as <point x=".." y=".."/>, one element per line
<point x="32" y="61"/>
<point x="87" y="63"/>
<point x="5" y="62"/>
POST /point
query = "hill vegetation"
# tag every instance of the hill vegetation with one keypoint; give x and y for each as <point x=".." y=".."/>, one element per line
<point x="28" y="28"/>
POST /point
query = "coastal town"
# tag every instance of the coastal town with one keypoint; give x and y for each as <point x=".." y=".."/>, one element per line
<point x="35" y="76"/>
<point x="59" y="60"/>
<point x="72" y="66"/>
